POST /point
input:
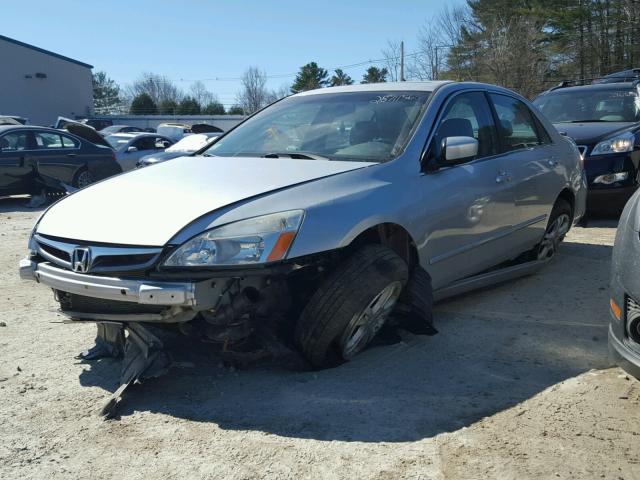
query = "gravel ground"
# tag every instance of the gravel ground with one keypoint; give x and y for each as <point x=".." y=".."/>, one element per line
<point x="516" y="385"/>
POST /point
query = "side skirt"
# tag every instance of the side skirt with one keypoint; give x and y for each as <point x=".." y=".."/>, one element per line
<point x="488" y="279"/>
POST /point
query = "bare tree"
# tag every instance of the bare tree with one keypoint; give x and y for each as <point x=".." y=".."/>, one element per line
<point x="158" y="87"/>
<point x="391" y="53"/>
<point x="431" y="55"/>
<point x="254" y="94"/>
<point x="199" y="92"/>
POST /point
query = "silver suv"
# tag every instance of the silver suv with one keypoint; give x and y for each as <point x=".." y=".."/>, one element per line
<point x="324" y="212"/>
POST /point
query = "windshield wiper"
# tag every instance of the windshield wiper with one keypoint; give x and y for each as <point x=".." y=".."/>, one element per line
<point x="296" y="156"/>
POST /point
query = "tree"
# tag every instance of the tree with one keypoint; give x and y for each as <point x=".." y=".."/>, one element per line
<point x="310" y="77"/>
<point x="188" y="106"/>
<point x="143" y="104"/>
<point x="236" y="110"/>
<point x="375" y="75"/>
<point x="391" y="53"/>
<point x="168" y="107"/>
<point x="214" y="108"/>
<point x="201" y="94"/>
<point x="340" y="78"/>
<point x="106" y="94"/>
<point x="158" y="87"/>
<point x="254" y="94"/>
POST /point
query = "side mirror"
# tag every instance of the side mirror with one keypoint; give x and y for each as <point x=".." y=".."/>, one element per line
<point x="132" y="149"/>
<point x="458" y="149"/>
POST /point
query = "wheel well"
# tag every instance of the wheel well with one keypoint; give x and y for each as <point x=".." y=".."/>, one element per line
<point x="568" y="196"/>
<point x="392" y="235"/>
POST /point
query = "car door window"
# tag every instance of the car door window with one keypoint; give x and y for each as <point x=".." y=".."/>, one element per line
<point x="145" y="143"/>
<point x="48" y="140"/>
<point x="68" y="142"/>
<point x="468" y="115"/>
<point x="517" y="127"/>
<point x="14" y="142"/>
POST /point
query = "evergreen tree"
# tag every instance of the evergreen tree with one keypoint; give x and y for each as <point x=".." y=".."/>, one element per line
<point x="310" y="77"/>
<point x="143" y="104"/>
<point x="188" y="106"/>
<point x="214" y="108"/>
<point x="375" y="75"/>
<point x="340" y="78"/>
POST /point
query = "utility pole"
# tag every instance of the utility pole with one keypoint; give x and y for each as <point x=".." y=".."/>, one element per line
<point x="402" y="61"/>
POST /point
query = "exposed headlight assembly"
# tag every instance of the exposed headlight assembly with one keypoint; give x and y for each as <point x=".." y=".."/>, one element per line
<point x="610" y="178"/>
<point x="618" y="144"/>
<point x="252" y="241"/>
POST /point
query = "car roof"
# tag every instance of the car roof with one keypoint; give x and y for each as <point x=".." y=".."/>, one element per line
<point x="596" y="86"/>
<point x="5" y="128"/>
<point x="377" y="87"/>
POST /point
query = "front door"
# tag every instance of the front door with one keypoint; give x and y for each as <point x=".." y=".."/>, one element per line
<point x="467" y="206"/>
<point x="16" y="165"/>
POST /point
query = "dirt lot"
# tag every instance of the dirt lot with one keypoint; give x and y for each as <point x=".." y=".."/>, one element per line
<point x="516" y="385"/>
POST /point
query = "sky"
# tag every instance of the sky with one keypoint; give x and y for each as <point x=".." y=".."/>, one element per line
<point x="216" y="41"/>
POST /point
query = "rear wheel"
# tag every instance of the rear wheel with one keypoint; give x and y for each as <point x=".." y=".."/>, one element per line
<point x="557" y="227"/>
<point x="350" y="306"/>
<point x="83" y="178"/>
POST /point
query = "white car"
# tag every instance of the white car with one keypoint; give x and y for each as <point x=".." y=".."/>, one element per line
<point x="131" y="147"/>
<point x="188" y="145"/>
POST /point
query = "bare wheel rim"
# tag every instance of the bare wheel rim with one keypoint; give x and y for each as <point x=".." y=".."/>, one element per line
<point x="84" y="179"/>
<point x="366" y="324"/>
<point x="553" y="236"/>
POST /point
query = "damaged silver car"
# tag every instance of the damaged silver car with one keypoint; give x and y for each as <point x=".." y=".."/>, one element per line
<point x="316" y="218"/>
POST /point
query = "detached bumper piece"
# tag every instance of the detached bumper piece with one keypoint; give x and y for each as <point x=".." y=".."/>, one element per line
<point x="144" y="358"/>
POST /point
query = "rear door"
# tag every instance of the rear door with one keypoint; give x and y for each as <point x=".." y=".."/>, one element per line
<point x="531" y="165"/>
<point x="467" y="206"/>
<point x="57" y="156"/>
<point x="16" y="163"/>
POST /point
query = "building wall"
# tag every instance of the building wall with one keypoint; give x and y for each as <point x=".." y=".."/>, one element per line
<point x="67" y="91"/>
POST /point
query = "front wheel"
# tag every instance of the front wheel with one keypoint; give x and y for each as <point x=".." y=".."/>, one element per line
<point x="350" y="306"/>
<point x="557" y="227"/>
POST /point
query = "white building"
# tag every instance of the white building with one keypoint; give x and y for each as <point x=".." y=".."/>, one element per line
<point x="42" y="85"/>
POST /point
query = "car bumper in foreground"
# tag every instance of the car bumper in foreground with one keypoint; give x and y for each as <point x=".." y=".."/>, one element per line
<point x="608" y="199"/>
<point x="623" y="356"/>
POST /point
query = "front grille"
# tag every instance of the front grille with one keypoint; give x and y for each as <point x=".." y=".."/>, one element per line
<point x="632" y="319"/>
<point x="102" y="259"/>
<point x="70" y="302"/>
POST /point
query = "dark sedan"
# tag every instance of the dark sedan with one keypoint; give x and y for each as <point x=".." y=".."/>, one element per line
<point x="604" y="121"/>
<point x="33" y="158"/>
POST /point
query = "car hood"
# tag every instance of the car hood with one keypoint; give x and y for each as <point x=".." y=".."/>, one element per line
<point x="161" y="157"/>
<point x="148" y="206"/>
<point x="590" y="133"/>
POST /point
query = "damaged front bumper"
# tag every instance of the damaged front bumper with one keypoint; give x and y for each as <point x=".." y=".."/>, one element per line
<point x="179" y="298"/>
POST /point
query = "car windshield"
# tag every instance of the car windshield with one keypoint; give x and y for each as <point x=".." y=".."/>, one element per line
<point x="353" y="126"/>
<point x="190" y="143"/>
<point x="117" y="142"/>
<point x="589" y="105"/>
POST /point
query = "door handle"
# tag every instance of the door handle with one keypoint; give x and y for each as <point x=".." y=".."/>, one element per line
<point x="71" y="155"/>
<point x="503" y="177"/>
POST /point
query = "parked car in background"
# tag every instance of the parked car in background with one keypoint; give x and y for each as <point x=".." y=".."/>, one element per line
<point x="315" y="217"/>
<point x="131" y="147"/>
<point x="624" y="326"/>
<point x="624" y="76"/>
<point x="120" y="129"/>
<point x="174" y="131"/>
<point x="98" y="124"/>
<point x="188" y="145"/>
<point x="604" y="121"/>
<point x="6" y="119"/>
<point x="35" y="157"/>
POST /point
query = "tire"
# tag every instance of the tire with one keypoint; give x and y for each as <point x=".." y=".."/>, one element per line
<point x="557" y="228"/>
<point x="364" y="289"/>
<point x="82" y="179"/>
<point x="414" y="309"/>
